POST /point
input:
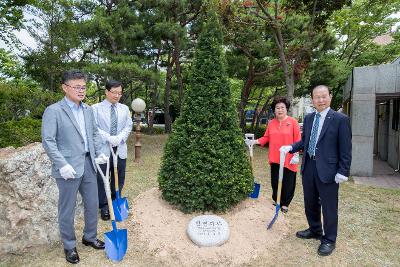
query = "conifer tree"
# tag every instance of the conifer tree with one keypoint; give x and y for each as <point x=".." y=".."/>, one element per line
<point x="205" y="166"/>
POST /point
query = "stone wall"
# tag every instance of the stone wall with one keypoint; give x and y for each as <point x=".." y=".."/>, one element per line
<point x="28" y="199"/>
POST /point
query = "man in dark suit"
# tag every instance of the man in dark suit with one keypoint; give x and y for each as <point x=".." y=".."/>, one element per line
<point x="326" y="142"/>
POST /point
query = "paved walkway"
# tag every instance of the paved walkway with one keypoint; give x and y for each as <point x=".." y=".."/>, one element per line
<point x="384" y="176"/>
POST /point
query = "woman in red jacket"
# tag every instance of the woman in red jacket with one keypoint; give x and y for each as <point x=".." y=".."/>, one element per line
<point x="282" y="130"/>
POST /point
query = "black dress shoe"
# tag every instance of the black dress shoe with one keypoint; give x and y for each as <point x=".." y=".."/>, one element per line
<point x="105" y="215"/>
<point x="97" y="244"/>
<point x="308" y="234"/>
<point x="71" y="255"/>
<point x="325" y="249"/>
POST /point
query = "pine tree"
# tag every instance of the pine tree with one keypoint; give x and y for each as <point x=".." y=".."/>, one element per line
<point x="205" y="166"/>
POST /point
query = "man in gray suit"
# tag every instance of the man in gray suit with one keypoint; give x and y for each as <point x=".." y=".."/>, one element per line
<point x="71" y="140"/>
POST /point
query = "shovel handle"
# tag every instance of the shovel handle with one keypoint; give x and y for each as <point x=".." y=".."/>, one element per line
<point x="106" y="183"/>
<point x="282" y="157"/>
<point x="115" y="161"/>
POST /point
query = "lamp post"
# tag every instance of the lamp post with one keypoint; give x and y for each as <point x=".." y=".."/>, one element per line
<point x="138" y="105"/>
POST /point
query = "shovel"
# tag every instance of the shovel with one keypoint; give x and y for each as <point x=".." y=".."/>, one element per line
<point x="116" y="241"/>
<point x="256" y="189"/>
<point x="120" y="205"/>
<point x="282" y="157"/>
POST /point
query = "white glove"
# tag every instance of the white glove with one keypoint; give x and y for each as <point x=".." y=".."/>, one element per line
<point x="250" y="142"/>
<point x="340" y="178"/>
<point x="295" y="159"/>
<point x="114" y="140"/>
<point x="285" y="149"/>
<point x="101" y="159"/>
<point x="67" y="172"/>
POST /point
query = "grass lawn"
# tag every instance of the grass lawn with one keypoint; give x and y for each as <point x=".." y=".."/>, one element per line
<point x="369" y="218"/>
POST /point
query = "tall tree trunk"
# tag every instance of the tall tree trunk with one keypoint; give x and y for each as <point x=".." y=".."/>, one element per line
<point x="287" y="70"/>
<point x="167" y="116"/>
<point x="264" y="108"/>
<point x="154" y="95"/>
<point x="178" y="69"/>
<point x="244" y="98"/>
<point x="100" y="92"/>
<point x="275" y="27"/>
<point x="256" y="113"/>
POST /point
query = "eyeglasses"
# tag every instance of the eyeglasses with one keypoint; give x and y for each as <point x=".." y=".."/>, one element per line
<point x="116" y="93"/>
<point x="77" y="88"/>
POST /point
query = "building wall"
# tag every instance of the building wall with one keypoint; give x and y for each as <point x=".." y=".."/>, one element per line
<point x="362" y="120"/>
<point x="361" y="90"/>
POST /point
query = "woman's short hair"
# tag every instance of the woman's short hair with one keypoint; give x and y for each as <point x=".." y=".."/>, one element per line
<point x="280" y="99"/>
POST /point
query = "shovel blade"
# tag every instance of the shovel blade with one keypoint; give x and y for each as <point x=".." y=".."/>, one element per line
<point x="278" y="207"/>
<point x="121" y="209"/>
<point x="116" y="242"/>
<point x="256" y="190"/>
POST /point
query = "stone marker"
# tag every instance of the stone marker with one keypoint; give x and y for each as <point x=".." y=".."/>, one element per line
<point x="208" y="230"/>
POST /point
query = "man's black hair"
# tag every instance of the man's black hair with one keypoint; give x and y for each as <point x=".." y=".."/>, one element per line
<point x="112" y="84"/>
<point x="72" y="75"/>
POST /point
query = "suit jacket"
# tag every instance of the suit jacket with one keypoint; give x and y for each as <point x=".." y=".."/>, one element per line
<point x="62" y="139"/>
<point x="124" y="126"/>
<point x="333" y="149"/>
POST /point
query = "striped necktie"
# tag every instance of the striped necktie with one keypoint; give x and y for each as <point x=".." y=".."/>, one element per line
<point x="114" y="122"/>
<point x="313" y="138"/>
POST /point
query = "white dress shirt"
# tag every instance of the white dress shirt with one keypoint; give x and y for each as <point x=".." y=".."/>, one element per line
<point x="102" y="115"/>
<point x="321" y="121"/>
<point x="77" y="110"/>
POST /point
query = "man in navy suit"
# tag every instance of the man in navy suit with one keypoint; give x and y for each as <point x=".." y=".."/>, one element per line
<point x="326" y="142"/>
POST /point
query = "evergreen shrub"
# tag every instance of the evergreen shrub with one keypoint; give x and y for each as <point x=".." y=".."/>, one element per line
<point x="205" y="166"/>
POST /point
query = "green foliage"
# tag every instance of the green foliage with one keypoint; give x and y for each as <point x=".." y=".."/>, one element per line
<point x="324" y="8"/>
<point x="204" y="165"/>
<point x="258" y="132"/>
<point x="331" y="72"/>
<point x="9" y="66"/>
<point x="359" y="25"/>
<point x="56" y="32"/>
<point x="355" y="28"/>
<point x="19" y="101"/>
<point x="20" y="133"/>
<point x="11" y="15"/>
<point x="21" y="108"/>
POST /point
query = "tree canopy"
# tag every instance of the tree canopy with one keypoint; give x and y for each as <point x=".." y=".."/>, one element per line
<point x="272" y="47"/>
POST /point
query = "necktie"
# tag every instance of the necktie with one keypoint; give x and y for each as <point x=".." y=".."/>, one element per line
<point x="313" y="138"/>
<point x="113" y="127"/>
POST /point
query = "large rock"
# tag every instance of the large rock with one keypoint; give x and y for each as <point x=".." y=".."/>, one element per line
<point x="28" y="199"/>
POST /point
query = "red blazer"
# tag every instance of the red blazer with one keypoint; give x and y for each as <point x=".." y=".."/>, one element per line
<point x="280" y="134"/>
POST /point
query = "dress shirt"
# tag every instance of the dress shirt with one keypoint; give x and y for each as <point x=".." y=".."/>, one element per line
<point x="77" y="110"/>
<point x="321" y="121"/>
<point x="102" y="116"/>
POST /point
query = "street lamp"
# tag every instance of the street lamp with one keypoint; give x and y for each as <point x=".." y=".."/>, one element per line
<point x="138" y="105"/>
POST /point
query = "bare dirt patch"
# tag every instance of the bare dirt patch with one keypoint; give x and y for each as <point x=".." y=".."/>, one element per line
<point x="162" y="228"/>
